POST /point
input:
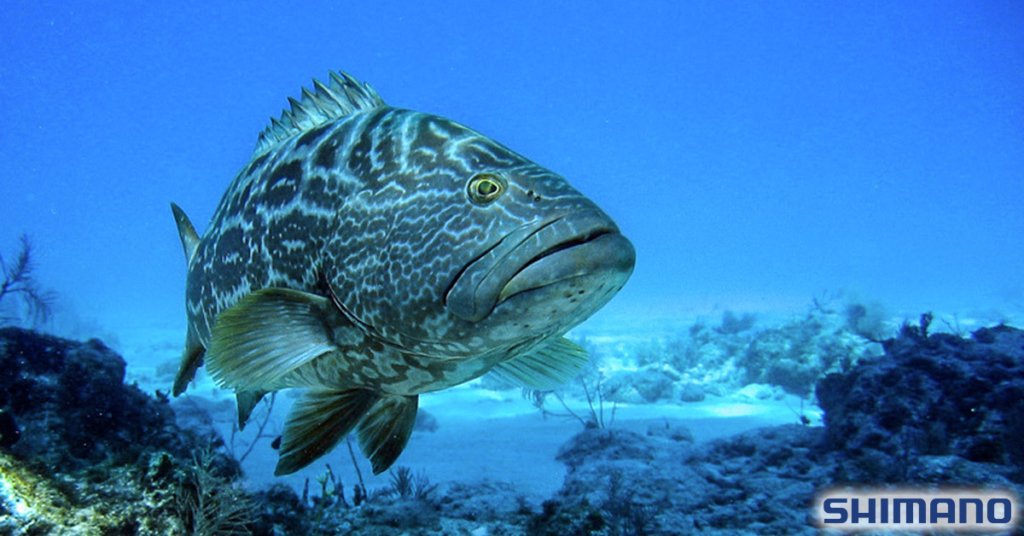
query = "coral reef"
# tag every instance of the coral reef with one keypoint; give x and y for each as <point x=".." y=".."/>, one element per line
<point x="718" y="359"/>
<point x="644" y="386"/>
<point x="410" y="506"/>
<point x="930" y="395"/>
<point x="209" y="503"/>
<point x="17" y="280"/>
<point x="93" y="455"/>
<point x="622" y="483"/>
<point x="935" y="409"/>
<point x="72" y="407"/>
<point x="795" y="355"/>
<point x="83" y="453"/>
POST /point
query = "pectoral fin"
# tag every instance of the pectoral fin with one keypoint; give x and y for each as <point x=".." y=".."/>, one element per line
<point x="546" y="367"/>
<point x="386" y="428"/>
<point x="268" y="334"/>
<point x="318" y="421"/>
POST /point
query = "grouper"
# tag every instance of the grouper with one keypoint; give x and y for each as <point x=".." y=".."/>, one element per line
<point x="367" y="254"/>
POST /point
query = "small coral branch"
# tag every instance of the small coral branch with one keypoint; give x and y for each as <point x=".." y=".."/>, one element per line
<point x="405" y="485"/>
<point x="360" y="490"/>
<point x="19" y="281"/>
<point x="209" y="503"/>
<point x="594" y="393"/>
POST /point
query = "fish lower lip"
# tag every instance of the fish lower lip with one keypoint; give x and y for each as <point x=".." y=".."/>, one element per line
<point x="562" y="246"/>
<point x="602" y="251"/>
<point x="479" y="285"/>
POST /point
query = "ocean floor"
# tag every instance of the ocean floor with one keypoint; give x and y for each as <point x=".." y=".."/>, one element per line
<point x="487" y="434"/>
<point x="484" y="434"/>
<point x="480" y="434"/>
<point x="500" y="436"/>
<point x="712" y="422"/>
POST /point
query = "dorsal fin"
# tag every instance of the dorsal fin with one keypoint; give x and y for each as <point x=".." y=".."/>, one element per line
<point x="189" y="237"/>
<point x="343" y="96"/>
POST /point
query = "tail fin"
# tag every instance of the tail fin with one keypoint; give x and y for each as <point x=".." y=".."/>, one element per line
<point x="189" y="237"/>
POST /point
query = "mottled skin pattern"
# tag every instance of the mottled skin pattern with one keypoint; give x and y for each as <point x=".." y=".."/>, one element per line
<point x="377" y="203"/>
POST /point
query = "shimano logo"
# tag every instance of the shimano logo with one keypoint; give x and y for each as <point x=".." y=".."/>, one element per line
<point x="917" y="509"/>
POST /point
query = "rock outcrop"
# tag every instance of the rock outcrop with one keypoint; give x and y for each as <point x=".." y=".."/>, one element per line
<point x="934" y="410"/>
<point x="90" y="454"/>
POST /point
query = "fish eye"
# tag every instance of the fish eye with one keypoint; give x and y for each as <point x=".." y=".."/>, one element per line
<point x="485" y="187"/>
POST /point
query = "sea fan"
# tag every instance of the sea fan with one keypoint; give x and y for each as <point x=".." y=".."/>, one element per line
<point x="208" y="504"/>
<point x="19" y="281"/>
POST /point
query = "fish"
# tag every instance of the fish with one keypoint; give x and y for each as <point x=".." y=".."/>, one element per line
<point x="367" y="254"/>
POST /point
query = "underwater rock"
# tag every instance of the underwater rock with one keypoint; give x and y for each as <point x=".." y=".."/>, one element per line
<point x="484" y="500"/>
<point x="196" y="411"/>
<point x="643" y="386"/>
<point x="733" y="323"/>
<point x="400" y="514"/>
<point x="935" y="409"/>
<point x="623" y="483"/>
<point x="606" y="444"/>
<point x="794" y="356"/>
<point x="670" y="430"/>
<point x="929" y="395"/>
<point x="425" y="422"/>
<point x="281" y="512"/>
<point x="72" y="406"/>
<point x="95" y="456"/>
<point x="9" y="432"/>
<point x="691" y="392"/>
<point x="477" y="507"/>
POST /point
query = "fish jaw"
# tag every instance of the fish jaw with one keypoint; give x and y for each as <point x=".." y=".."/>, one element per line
<point x="579" y="251"/>
<point x="608" y="256"/>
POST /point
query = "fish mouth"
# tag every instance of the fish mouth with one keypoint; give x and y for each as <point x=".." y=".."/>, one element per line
<point x="538" y="255"/>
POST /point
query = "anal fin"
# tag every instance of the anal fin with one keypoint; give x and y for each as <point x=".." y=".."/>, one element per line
<point x="247" y="401"/>
<point x="386" y="428"/>
<point x="318" y="421"/>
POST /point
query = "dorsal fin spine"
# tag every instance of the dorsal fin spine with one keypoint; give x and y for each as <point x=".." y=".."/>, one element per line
<point x="297" y="108"/>
<point x="326" y="92"/>
<point x="314" y="102"/>
<point x="344" y="95"/>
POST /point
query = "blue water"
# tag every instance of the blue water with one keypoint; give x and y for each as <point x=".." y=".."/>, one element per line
<point x="757" y="154"/>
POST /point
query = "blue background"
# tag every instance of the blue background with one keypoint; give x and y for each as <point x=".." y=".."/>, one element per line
<point x="756" y="153"/>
